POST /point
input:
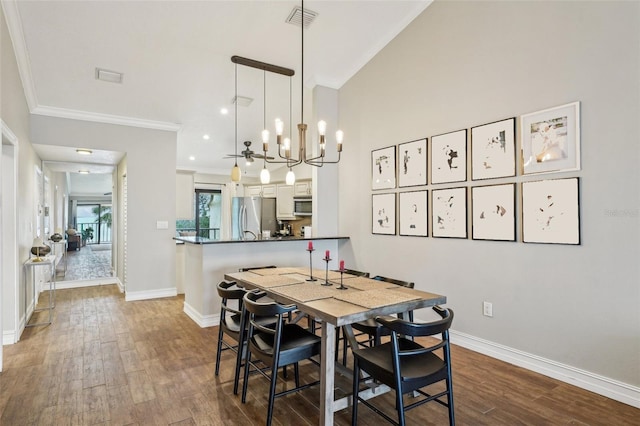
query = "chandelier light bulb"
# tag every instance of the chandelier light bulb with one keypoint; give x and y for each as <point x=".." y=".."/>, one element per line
<point x="265" y="176"/>
<point x="339" y="136"/>
<point x="287" y="144"/>
<point x="265" y="136"/>
<point x="279" y="127"/>
<point x="290" y="178"/>
<point x="322" y="127"/>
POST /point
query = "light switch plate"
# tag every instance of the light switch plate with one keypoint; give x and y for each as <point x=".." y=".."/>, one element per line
<point x="162" y="224"/>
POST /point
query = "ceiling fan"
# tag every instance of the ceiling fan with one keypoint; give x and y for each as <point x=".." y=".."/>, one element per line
<point x="247" y="154"/>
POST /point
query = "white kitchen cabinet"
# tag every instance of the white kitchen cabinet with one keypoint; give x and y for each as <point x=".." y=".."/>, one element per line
<point x="253" y="191"/>
<point x="269" y="191"/>
<point x="302" y="188"/>
<point x="284" y="202"/>
<point x="265" y="191"/>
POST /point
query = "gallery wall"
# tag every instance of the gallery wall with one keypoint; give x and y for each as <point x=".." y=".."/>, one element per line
<point x="464" y="64"/>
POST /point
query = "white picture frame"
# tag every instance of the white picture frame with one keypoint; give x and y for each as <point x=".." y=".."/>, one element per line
<point x="551" y="139"/>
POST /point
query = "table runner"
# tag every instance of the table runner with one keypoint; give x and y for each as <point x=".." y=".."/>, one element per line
<point x="375" y="298"/>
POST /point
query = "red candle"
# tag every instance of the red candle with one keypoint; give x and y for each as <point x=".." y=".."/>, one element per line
<point x="342" y="265"/>
<point x="327" y="254"/>
<point x="310" y="245"/>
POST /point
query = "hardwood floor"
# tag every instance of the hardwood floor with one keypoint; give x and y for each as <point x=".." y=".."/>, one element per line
<point x="111" y="362"/>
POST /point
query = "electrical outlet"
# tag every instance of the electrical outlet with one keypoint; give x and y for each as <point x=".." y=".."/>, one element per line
<point x="487" y="309"/>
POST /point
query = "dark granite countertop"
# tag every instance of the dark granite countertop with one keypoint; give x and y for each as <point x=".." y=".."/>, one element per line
<point x="202" y="240"/>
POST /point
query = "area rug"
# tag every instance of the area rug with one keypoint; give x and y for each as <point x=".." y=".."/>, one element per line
<point x="100" y="247"/>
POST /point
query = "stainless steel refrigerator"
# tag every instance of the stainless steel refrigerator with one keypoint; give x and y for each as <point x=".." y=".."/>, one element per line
<point x="252" y="215"/>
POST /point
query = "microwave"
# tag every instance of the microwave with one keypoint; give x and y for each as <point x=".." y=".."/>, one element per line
<point x="302" y="206"/>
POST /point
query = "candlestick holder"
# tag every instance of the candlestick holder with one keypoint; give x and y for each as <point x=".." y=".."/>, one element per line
<point x="326" y="271"/>
<point x="342" y="287"/>
<point x="311" y="265"/>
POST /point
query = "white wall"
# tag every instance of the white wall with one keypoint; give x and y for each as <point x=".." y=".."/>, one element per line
<point x="15" y="113"/>
<point x="151" y="168"/>
<point x="462" y="64"/>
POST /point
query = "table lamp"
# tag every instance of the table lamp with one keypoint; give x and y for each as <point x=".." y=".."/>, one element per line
<point x="39" y="248"/>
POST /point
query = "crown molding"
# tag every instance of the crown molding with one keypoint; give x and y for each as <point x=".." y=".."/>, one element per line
<point x="105" y="118"/>
<point x="14" y="25"/>
<point x="7" y="133"/>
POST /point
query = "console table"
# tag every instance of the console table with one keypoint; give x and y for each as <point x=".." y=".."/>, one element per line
<point x="32" y="264"/>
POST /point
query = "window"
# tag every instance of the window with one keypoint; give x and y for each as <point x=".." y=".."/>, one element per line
<point x="208" y="211"/>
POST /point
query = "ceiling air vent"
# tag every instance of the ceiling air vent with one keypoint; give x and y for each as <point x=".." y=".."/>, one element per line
<point x="110" y="76"/>
<point x="296" y="17"/>
<point x="242" y="101"/>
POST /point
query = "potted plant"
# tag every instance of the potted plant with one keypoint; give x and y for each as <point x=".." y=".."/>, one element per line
<point x="87" y="234"/>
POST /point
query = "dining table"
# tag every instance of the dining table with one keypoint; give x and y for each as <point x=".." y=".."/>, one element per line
<point x="336" y="299"/>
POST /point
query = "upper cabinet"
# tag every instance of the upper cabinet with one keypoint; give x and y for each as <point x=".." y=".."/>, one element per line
<point x="302" y="188"/>
<point x="265" y="191"/>
<point x="284" y="202"/>
<point x="269" y="191"/>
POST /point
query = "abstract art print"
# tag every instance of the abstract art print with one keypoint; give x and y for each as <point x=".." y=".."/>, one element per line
<point x="449" y="212"/>
<point x="383" y="168"/>
<point x="551" y="212"/>
<point x="493" y="150"/>
<point x="413" y="213"/>
<point x="412" y="163"/>
<point x="383" y="214"/>
<point x="449" y="157"/>
<point x="493" y="212"/>
<point x="551" y="139"/>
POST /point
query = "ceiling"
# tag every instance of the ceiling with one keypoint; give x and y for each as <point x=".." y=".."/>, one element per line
<point x="175" y="59"/>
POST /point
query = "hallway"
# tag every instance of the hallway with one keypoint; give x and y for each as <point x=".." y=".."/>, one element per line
<point x="89" y="263"/>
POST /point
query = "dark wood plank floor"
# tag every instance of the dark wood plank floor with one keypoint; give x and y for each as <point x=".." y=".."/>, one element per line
<point x="110" y="362"/>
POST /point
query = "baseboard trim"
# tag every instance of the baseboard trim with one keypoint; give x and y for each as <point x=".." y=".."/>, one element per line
<point x="9" y="337"/>
<point x="62" y="285"/>
<point x="202" y="320"/>
<point x="131" y="296"/>
<point x="619" y="391"/>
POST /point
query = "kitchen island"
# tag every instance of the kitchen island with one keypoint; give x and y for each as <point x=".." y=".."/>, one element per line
<point x="206" y="262"/>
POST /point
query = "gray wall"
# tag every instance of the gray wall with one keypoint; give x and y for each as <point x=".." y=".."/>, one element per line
<point x="151" y="168"/>
<point x="462" y="64"/>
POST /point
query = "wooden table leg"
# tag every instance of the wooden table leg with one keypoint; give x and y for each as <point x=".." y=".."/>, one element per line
<point x="327" y="373"/>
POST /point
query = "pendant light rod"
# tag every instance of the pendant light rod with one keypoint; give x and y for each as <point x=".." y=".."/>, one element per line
<point x="262" y="65"/>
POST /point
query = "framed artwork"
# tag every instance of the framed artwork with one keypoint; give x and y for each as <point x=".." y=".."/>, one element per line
<point x="551" y="212"/>
<point x="412" y="157"/>
<point x="493" y="212"/>
<point x="551" y="139"/>
<point x="449" y="157"/>
<point x="449" y="212"/>
<point x="413" y="213"/>
<point x="493" y="150"/>
<point x="383" y="214"/>
<point x="383" y="168"/>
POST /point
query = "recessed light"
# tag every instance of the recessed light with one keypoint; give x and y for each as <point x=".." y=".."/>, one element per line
<point x="83" y="172"/>
<point x="84" y="151"/>
<point x="192" y="158"/>
<point x="224" y="111"/>
<point x="205" y="137"/>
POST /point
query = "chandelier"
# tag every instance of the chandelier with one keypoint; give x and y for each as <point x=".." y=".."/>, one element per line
<point x="284" y="143"/>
